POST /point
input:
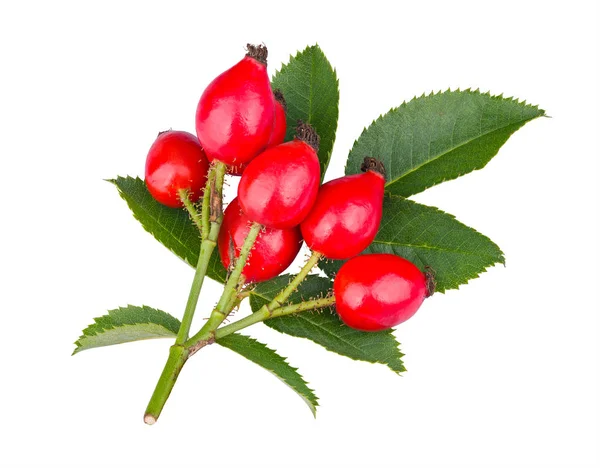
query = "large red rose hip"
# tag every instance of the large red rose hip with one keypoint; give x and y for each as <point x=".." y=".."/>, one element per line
<point x="279" y="187"/>
<point x="235" y="115"/>
<point x="378" y="291"/>
<point x="346" y="215"/>
<point x="175" y="161"/>
<point x="273" y="251"/>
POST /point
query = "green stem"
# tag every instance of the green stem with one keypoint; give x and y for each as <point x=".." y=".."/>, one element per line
<point x="227" y="300"/>
<point x="205" y="213"/>
<point x="264" y="314"/>
<point x="177" y="357"/>
<point x="207" y="246"/>
<point x="283" y="295"/>
<point x="191" y="208"/>
<point x="207" y="335"/>
<point x="178" y="354"/>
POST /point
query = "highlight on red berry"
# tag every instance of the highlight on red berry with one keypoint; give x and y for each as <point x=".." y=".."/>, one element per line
<point x="279" y="187"/>
<point x="379" y="291"/>
<point x="347" y="212"/>
<point x="274" y="249"/>
<point x="175" y="161"/>
<point x="236" y="112"/>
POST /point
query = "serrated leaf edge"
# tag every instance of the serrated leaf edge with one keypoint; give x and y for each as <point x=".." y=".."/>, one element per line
<point x="501" y="261"/>
<point x="123" y="196"/>
<point x="312" y="405"/>
<point x="404" y="104"/>
<point x="90" y="330"/>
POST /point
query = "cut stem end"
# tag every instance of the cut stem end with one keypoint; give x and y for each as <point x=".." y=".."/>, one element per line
<point x="149" y="419"/>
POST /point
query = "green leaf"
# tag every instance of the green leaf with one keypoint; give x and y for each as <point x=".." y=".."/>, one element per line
<point x="277" y="365"/>
<point x="127" y="324"/>
<point x="324" y="327"/>
<point x="439" y="137"/>
<point x="310" y="87"/>
<point x="429" y="237"/>
<point x="171" y="227"/>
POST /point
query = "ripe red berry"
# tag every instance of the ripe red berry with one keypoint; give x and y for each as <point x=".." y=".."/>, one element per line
<point x="277" y="135"/>
<point x="345" y="217"/>
<point x="378" y="291"/>
<point x="279" y="124"/>
<point x="273" y="251"/>
<point x="175" y="161"/>
<point x="279" y="187"/>
<point x="234" y="119"/>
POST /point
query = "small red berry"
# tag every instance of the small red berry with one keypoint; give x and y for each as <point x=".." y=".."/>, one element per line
<point x="273" y="251"/>
<point x="345" y="217"/>
<point x="279" y="187"/>
<point x="277" y="136"/>
<point x="279" y="124"/>
<point x="175" y="161"/>
<point x="234" y="119"/>
<point x="378" y="291"/>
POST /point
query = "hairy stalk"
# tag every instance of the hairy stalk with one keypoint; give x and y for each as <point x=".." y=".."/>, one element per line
<point x="178" y="354"/>
<point x="210" y="234"/>
<point x="227" y="300"/>
<point x="206" y="336"/>
<point x="263" y="314"/>
<point x="191" y="208"/>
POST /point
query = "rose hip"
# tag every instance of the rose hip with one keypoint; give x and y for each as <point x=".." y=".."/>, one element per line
<point x="378" y="291"/>
<point x="175" y="161"/>
<point x="345" y="217"/>
<point x="235" y="115"/>
<point x="279" y="187"/>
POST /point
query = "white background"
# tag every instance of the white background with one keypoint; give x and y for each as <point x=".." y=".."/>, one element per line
<point x="502" y="373"/>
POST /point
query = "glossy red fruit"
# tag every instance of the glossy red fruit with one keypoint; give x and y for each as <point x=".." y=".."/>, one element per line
<point x="279" y="124"/>
<point x="346" y="215"/>
<point x="277" y="135"/>
<point x="175" y="161"/>
<point x="279" y="187"/>
<point x="234" y="118"/>
<point x="378" y="291"/>
<point x="273" y="251"/>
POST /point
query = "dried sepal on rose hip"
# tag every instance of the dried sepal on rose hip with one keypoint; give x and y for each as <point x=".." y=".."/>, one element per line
<point x="273" y="251"/>
<point x="279" y="186"/>
<point x="175" y="162"/>
<point x="347" y="212"/>
<point x="236" y="112"/>
<point x="277" y="135"/>
<point x="378" y="291"/>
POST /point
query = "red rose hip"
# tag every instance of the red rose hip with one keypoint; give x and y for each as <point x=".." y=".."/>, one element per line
<point x="235" y="115"/>
<point x="175" y="161"/>
<point x="273" y="251"/>
<point x="346" y="215"/>
<point x="378" y="291"/>
<point x="279" y="187"/>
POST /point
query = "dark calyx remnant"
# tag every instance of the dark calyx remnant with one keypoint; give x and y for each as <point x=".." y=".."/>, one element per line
<point x="430" y="280"/>
<point x="258" y="52"/>
<point x="373" y="164"/>
<point x="279" y="98"/>
<point x="307" y="134"/>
